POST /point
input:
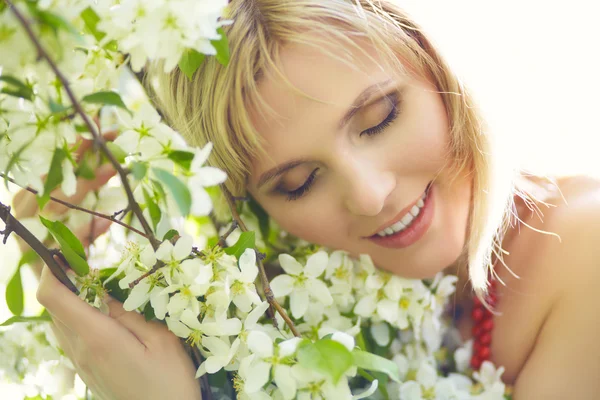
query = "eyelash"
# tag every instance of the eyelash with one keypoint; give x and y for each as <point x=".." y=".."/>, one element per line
<point x="391" y="117"/>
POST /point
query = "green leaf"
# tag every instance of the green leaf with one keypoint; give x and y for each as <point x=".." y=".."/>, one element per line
<point x="113" y="286"/>
<point x="263" y="218"/>
<point x="106" y="98"/>
<point x="149" y="312"/>
<point x="18" y="89"/>
<point x="139" y="170"/>
<point x="55" y="176"/>
<point x="246" y="241"/>
<point x="180" y="192"/>
<point x="190" y="62"/>
<point x="84" y="170"/>
<point x="222" y="47"/>
<point x="372" y="362"/>
<point x="326" y="356"/>
<point x="57" y="108"/>
<point x="153" y="208"/>
<point x="70" y="246"/>
<point x="13" y="160"/>
<point x="14" y="293"/>
<point x="116" y="151"/>
<point x="170" y="234"/>
<point x="91" y="19"/>
<point x="183" y="158"/>
<point x="28" y="258"/>
<point x="56" y="21"/>
<point x="15" y="319"/>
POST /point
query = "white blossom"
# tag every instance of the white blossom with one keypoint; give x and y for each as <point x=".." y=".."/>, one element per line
<point x="300" y="283"/>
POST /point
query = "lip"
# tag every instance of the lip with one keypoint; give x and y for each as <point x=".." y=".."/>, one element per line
<point x="402" y="213"/>
<point x="415" y="231"/>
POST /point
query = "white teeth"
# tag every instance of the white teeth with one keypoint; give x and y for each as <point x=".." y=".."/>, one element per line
<point x="398" y="226"/>
<point x="415" y="211"/>
<point x="407" y="219"/>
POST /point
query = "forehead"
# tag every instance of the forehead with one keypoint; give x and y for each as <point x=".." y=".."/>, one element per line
<point x="321" y="85"/>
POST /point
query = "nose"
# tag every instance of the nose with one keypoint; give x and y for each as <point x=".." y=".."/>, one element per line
<point x="368" y="186"/>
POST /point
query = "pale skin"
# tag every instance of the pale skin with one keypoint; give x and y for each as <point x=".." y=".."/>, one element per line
<point x="546" y="337"/>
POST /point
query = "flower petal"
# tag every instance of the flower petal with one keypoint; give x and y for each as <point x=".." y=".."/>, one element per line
<point x="316" y="264"/>
<point x="319" y="291"/>
<point x="299" y="302"/>
<point x="260" y="343"/>
<point x="159" y="302"/>
<point x="282" y="285"/>
<point x="254" y="315"/>
<point x="183" y="247"/>
<point x="164" y="251"/>
<point x="285" y="382"/>
<point x="289" y="264"/>
<point x="137" y="296"/>
<point x="257" y="377"/>
<point x="177" y="327"/>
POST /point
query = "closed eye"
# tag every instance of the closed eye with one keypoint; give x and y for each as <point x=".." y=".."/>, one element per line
<point x="394" y="100"/>
<point x="299" y="192"/>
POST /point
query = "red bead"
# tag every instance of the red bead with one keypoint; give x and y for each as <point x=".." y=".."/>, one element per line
<point x="476" y="302"/>
<point x="477" y="314"/>
<point x="484" y="353"/>
<point x="485" y="339"/>
<point x="476" y="347"/>
<point x="475" y="362"/>
<point x="487" y="325"/>
<point x="476" y="331"/>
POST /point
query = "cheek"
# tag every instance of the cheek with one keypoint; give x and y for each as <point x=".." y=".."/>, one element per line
<point x="314" y="220"/>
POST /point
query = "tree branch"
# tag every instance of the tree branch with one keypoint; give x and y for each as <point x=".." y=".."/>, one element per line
<point x="98" y="139"/>
<point x="13" y="225"/>
<point x="82" y="209"/>
<point x="263" y="275"/>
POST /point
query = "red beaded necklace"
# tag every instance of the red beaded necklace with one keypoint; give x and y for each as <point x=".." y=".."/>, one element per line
<point x="483" y="324"/>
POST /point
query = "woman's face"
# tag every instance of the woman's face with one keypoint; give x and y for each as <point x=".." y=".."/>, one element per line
<point x="340" y="171"/>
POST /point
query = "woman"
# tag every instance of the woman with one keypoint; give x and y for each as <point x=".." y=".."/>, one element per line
<point x="340" y="119"/>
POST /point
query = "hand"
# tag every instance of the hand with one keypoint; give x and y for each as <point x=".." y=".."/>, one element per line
<point x="119" y="356"/>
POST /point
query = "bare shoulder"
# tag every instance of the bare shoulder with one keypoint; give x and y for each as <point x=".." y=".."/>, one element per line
<point x="563" y="269"/>
<point x="555" y="254"/>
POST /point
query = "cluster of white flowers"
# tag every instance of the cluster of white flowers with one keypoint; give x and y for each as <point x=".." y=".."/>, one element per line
<point x="212" y="302"/>
<point x="161" y="29"/>
<point x="345" y="309"/>
<point x="29" y="357"/>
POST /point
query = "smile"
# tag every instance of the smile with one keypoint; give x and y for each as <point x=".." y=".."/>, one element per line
<point x="410" y="225"/>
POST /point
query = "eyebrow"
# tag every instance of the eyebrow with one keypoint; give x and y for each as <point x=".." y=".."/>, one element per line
<point x="359" y="102"/>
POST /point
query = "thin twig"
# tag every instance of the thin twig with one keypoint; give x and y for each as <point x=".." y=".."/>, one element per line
<point x="78" y="208"/>
<point x="13" y="225"/>
<point x="223" y="239"/>
<point x="98" y="139"/>
<point x="263" y="275"/>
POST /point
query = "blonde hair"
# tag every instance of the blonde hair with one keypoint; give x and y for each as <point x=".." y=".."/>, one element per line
<point x="213" y="106"/>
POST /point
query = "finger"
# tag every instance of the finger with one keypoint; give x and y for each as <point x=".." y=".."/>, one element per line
<point x="87" y="144"/>
<point x="64" y="336"/>
<point x="145" y="331"/>
<point x="90" y="232"/>
<point x="90" y="325"/>
<point x="84" y="186"/>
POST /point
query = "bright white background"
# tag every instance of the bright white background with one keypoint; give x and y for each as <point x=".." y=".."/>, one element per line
<point x="535" y="68"/>
<point x="533" y="65"/>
